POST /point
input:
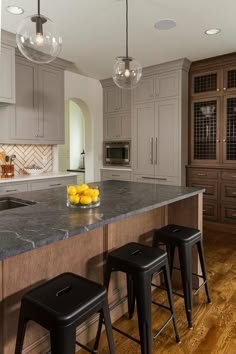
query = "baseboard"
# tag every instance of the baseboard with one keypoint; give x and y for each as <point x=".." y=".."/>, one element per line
<point x="230" y="228"/>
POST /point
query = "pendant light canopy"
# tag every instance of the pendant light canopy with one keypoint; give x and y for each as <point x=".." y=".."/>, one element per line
<point x="127" y="72"/>
<point x="37" y="38"/>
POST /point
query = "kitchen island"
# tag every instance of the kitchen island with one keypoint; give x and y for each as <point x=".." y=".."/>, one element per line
<point x="39" y="241"/>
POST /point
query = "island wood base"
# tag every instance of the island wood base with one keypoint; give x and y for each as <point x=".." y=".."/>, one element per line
<point x="83" y="254"/>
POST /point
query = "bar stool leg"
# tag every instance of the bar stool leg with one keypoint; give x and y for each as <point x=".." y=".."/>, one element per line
<point x="170" y="299"/>
<point x="63" y="340"/>
<point x="203" y="267"/>
<point x="171" y="254"/>
<point x="21" y="331"/>
<point x="185" y="258"/>
<point x="107" y="321"/>
<point x="142" y="288"/>
<point x="130" y="295"/>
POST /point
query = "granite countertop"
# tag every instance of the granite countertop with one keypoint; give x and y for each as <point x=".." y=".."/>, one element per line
<point x="49" y="220"/>
<point x="27" y="177"/>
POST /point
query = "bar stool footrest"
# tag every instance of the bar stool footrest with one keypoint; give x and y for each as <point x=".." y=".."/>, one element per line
<point x="86" y="348"/>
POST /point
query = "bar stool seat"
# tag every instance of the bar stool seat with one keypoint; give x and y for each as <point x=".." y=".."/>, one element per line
<point x="184" y="238"/>
<point x="60" y="305"/>
<point x="140" y="263"/>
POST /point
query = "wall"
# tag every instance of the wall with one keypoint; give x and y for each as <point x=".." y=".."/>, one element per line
<point x="77" y="129"/>
<point x="87" y="93"/>
<point x="26" y="155"/>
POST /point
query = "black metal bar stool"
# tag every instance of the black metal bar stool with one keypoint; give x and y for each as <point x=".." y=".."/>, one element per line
<point x="140" y="263"/>
<point x="184" y="238"/>
<point x="60" y="305"/>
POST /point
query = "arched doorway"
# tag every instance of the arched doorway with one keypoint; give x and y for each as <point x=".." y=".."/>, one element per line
<point x="77" y="139"/>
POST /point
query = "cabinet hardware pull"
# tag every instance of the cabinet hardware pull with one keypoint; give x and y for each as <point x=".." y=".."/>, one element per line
<point x="204" y="210"/>
<point x="217" y="89"/>
<point x="224" y="140"/>
<point x="11" y="190"/>
<point x="202" y="174"/>
<point x="156" y="153"/>
<point x="234" y="215"/>
<point x="151" y="154"/>
<point x="234" y="193"/>
<point x="115" y="175"/>
<point x="224" y="88"/>
<point x="218" y="140"/>
<point x="159" y="178"/>
<point x="233" y="176"/>
<point x="55" y="184"/>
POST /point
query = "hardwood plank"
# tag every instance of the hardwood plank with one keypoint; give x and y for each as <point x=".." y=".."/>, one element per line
<point x="214" y="328"/>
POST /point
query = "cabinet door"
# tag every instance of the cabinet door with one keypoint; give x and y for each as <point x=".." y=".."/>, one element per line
<point x="24" y="120"/>
<point x="166" y="85"/>
<point x="143" y="138"/>
<point x="205" y="131"/>
<point x="229" y="83"/>
<point x="7" y="74"/>
<point x="208" y="83"/>
<point x="144" y="91"/>
<point x="112" y="99"/>
<point x="112" y="127"/>
<point x="8" y="188"/>
<point x="166" y="144"/>
<point x="229" y="131"/>
<point x="51" y="105"/>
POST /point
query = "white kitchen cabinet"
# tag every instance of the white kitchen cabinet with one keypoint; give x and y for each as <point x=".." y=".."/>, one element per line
<point x="8" y="188"/>
<point x="7" y="74"/>
<point x="38" y="115"/>
<point x="117" y="126"/>
<point x="144" y="91"/>
<point x="155" y="138"/>
<point x="115" y="174"/>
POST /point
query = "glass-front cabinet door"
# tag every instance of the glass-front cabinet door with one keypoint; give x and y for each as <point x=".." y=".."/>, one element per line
<point x="206" y="83"/>
<point x="229" y="131"/>
<point x="229" y="82"/>
<point x="205" y="129"/>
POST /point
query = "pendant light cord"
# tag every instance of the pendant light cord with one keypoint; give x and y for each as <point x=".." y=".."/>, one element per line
<point x="127" y="29"/>
<point x="38" y="8"/>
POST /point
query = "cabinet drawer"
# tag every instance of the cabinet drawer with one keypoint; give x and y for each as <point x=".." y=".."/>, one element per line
<point x="228" y="175"/>
<point x="52" y="183"/>
<point x="116" y="175"/>
<point x="228" y="191"/>
<point x="209" y="210"/>
<point x="228" y="213"/>
<point x="211" y="188"/>
<point x="13" y="188"/>
<point x="202" y="173"/>
<point x="156" y="180"/>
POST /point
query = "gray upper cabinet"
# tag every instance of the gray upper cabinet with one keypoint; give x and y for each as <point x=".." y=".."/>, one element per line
<point x="7" y="74"/>
<point x="38" y="115"/>
<point x="115" y="99"/>
<point x="157" y="87"/>
<point x="117" y="126"/>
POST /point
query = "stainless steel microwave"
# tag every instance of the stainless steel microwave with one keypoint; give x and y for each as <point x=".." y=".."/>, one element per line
<point x="116" y="153"/>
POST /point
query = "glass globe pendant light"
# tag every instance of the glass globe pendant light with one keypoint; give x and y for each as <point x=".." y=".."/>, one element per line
<point x="37" y="38"/>
<point x="127" y="72"/>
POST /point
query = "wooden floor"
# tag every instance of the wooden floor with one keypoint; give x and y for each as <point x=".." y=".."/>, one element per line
<point x="214" y="325"/>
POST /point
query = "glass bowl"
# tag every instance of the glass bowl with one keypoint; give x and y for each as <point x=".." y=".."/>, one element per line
<point x="83" y="196"/>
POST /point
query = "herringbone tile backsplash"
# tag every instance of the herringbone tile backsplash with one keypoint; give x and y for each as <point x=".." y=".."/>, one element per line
<point x="26" y="155"/>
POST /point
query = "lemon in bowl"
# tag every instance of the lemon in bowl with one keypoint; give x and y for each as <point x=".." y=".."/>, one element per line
<point x="82" y="196"/>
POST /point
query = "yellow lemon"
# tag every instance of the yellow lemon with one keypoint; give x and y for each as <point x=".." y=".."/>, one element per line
<point x="94" y="198"/>
<point x="80" y="189"/>
<point x="74" y="199"/>
<point x="96" y="192"/>
<point x="89" y="192"/>
<point x="85" y="199"/>
<point x="71" y="190"/>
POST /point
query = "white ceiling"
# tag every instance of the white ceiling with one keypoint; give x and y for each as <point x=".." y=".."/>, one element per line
<point x="93" y="31"/>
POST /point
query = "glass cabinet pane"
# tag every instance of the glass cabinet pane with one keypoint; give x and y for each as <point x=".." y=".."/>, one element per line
<point x="231" y="129"/>
<point x="231" y="79"/>
<point x="205" y="120"/>
<point x="205" y="83"/>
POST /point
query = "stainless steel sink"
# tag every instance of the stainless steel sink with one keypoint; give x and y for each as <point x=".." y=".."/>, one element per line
<point x="11" y="203"/>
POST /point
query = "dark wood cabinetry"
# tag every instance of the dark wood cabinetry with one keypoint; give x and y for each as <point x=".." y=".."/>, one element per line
<point x="212" y="117"/>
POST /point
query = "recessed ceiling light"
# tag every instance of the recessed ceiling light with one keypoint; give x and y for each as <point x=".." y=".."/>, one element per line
<point x="166" y="24"/>
<point x="212" y="31"/>
<point x="15" y="10"/>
